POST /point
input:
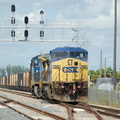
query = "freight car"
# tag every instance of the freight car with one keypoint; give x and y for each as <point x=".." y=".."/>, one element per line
<point x="62" y="74"/>
<point x="16" y="82"/>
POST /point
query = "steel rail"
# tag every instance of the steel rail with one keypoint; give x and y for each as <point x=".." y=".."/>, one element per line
<point x="69" y="110"/>
<point x="113" y="112"/>
<point x="17" y="92"/>
<point x="87" y="108"/>
<point x="83" y="106"/>
<point x="68" y="107"/>
<point x="5" y="104"/>
<point x="32" y="108"/>
<point x="108" y="114"/>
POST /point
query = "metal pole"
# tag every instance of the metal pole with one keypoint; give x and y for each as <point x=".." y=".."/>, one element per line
<point x="115" y="34"/>
<point x="105" y="68"/>
<point x="101" y="64"/>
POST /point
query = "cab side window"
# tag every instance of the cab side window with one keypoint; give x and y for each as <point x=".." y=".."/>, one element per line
<point x="36" y="61"/>
<point x="81" y="55"/>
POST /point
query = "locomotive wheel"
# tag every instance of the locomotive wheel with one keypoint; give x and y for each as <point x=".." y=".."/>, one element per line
<point x="37" y="92"/>
<point x="47" y="92"/>
<point x="32" y="91"/>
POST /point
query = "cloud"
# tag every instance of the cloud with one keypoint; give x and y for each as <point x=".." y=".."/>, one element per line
<point x="60" y="16"/>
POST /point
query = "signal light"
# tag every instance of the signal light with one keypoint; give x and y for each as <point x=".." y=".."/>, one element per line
<point x="13" y="8"/>
<point x="41" y="22"/>
<point x="12" y="20"/>
<point x="12" y="33"/>
<point x="26" y="20"/>
<point x="41" y="33"/>
<point x="26" y="33"/>
<point x="41" y="12"/>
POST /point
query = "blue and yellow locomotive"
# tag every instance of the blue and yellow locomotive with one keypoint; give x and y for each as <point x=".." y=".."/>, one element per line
<point x="61" y="74"/>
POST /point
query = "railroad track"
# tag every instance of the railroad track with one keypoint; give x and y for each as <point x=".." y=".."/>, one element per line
<point x="113" y="112"/>
<point x="94" y="109"/>
<point x="70" y="108"/>
<point x="85" y="107"/>
<point x="29" y="111"/>
<point x="26" y="94"/>
<point x="107" y="111"/>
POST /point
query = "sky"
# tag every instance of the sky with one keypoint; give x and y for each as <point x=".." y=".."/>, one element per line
<point x="96" y="15"/>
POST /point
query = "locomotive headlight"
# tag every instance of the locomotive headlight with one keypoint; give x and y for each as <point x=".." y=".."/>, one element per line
<point x="78" y="86"/>
<point x="69" y="62"/>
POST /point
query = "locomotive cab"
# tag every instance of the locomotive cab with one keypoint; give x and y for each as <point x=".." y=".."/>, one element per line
<point x="69" y="73"/>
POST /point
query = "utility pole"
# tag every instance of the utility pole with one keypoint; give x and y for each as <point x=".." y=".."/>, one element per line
<point x="105" y="68"/>
<point x="115" y="41"/>
<point x="101" y="64"/>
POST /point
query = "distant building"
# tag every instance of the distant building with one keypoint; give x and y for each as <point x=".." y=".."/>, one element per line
<point x="105" y="84"/>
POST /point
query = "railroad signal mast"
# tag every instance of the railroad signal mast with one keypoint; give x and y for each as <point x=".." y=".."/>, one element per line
<point x="26" y="20"/>
<point x="42" y="25"/>
<point x="44" y="30"/>
<point x="13" y="21"/>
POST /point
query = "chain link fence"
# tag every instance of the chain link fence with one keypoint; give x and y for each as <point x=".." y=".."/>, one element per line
<point x="104" y="97"/>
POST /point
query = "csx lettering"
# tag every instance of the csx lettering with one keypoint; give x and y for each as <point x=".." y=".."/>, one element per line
<point x="70" y="69"/>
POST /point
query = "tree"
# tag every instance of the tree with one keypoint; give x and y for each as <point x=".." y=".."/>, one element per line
<point x="118" y="75"/>
<point x="109" y="72"/>
<point x="9" y="69"/>
<point x="18" y="69"/>
<point x="93" y="75"/>
<point x="96" y="74"/>
<point x="2" y="72"/>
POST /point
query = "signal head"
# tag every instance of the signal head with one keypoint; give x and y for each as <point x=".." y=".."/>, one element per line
<point x="26" y="20"/>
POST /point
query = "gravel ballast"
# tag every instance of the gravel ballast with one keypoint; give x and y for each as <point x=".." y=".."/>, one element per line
<point x="7" y="114"/>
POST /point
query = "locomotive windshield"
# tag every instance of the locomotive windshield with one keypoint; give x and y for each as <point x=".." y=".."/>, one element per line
<point x="59" y="55"/>
<point x="69" y="52"/>
<point x="79" y="55"/>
